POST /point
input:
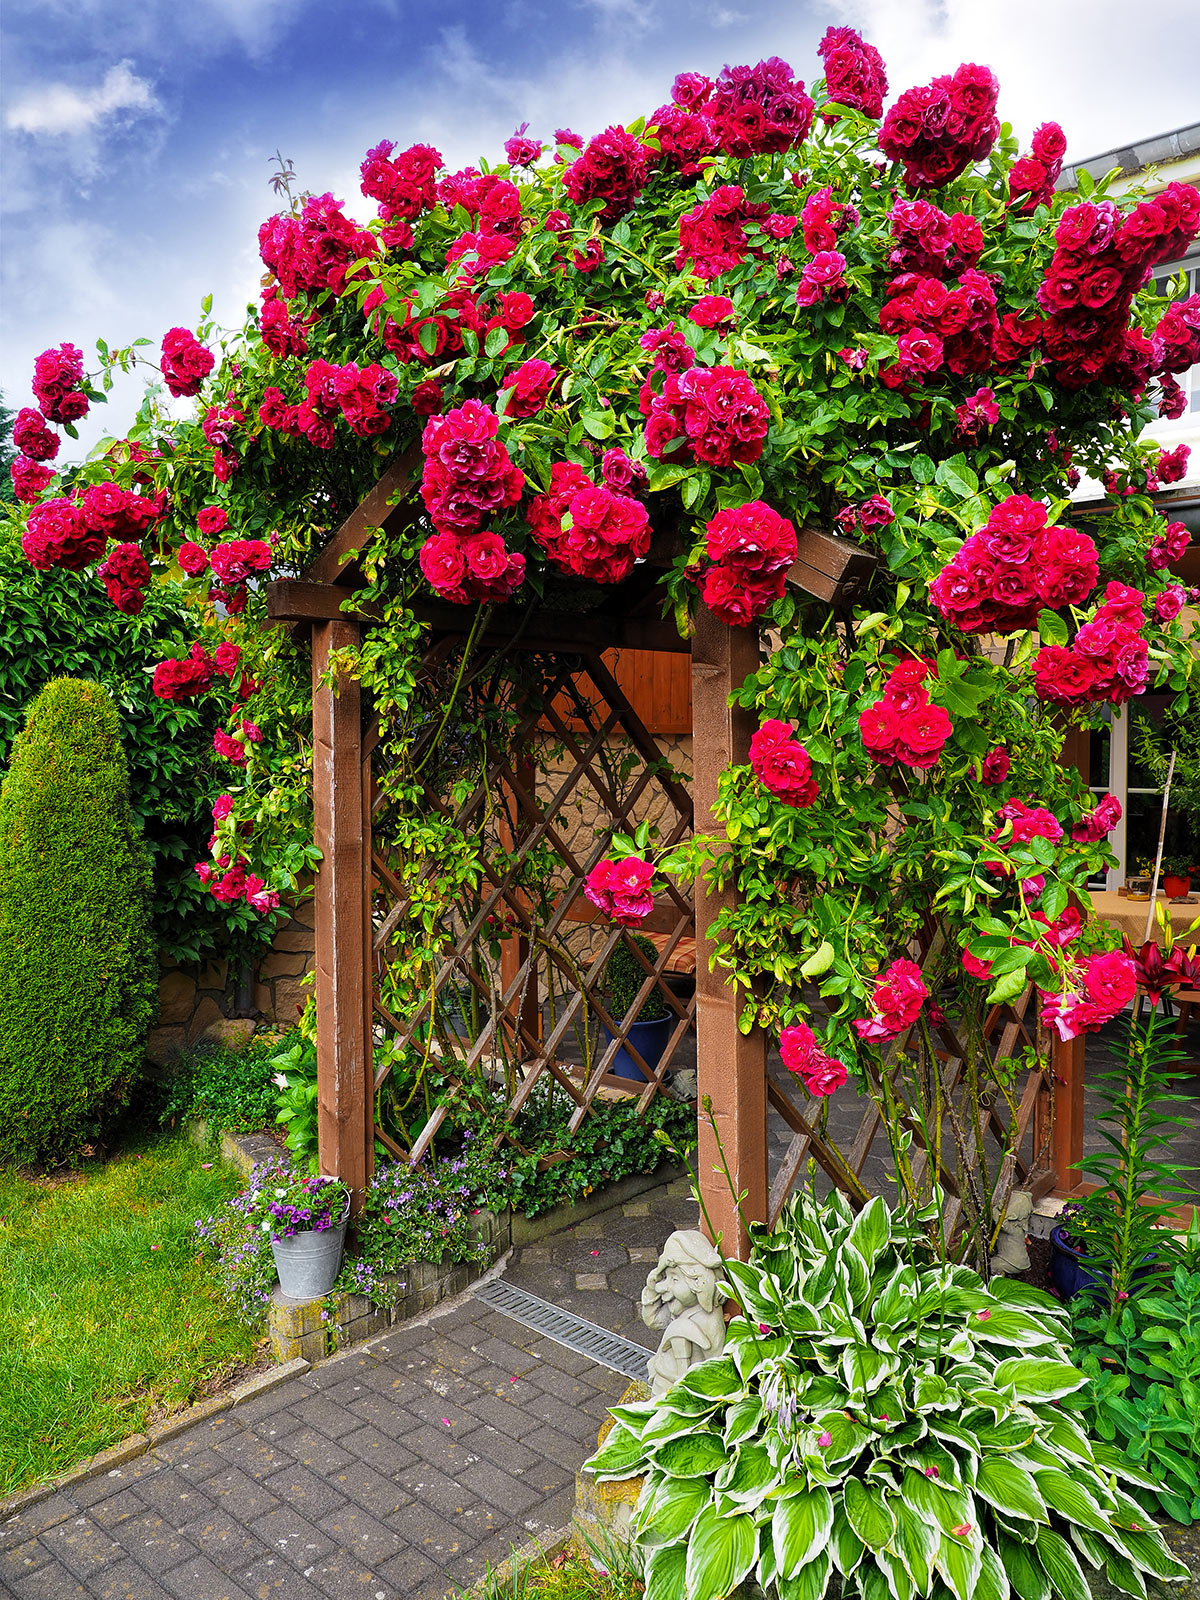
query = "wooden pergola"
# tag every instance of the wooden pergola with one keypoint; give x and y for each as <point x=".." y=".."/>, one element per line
<point x="357" y="893"/>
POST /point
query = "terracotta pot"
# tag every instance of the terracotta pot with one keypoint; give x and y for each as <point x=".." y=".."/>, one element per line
<point x="1175" y="885"/>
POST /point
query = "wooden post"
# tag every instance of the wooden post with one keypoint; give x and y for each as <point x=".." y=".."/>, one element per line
<point x="732" y="1067"/>
<point x="1067" y="1056"/>
<point x="346" y="1101"/>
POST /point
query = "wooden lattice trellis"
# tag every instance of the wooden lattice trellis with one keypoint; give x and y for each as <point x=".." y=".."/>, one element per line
<point x="519" y="811"/>
<point x="358" y="894"/>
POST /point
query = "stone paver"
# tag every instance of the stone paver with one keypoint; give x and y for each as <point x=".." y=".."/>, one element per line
<point x="402" y="1468"/>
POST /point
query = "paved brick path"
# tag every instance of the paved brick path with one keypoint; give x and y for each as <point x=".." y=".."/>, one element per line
<point x="398" y="1469"/>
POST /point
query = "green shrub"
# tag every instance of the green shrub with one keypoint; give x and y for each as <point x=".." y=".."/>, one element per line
<point x="78" y="974"/>
<point x="624" y="975"/>
<point x="233" y="1090"/>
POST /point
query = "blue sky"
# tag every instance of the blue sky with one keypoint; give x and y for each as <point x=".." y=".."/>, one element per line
<point x="137" y="137"/>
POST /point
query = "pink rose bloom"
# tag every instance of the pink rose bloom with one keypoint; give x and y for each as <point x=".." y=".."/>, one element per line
<point x="995" y="766"/>
<point x="1169" y="603"/>
<point x="782" y="764"/>
<point x="221" y="807"/>
<point x="621" y="889"/>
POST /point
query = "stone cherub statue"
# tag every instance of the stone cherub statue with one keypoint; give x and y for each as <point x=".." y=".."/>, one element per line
<point x="681" y="1298"/>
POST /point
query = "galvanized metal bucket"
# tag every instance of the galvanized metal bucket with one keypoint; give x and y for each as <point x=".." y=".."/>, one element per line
<point x="308" y="1262"/>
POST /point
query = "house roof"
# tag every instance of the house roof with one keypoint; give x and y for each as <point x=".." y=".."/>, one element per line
<point x="1178" y="145"/>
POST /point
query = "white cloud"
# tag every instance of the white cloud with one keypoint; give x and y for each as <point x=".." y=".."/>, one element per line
<point x="59" y="108"/>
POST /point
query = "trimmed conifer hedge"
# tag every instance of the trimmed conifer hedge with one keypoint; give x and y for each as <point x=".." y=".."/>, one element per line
<point x="78" y="972"/>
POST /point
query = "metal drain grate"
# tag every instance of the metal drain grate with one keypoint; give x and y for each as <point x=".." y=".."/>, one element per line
<point x="609" y="1349"/>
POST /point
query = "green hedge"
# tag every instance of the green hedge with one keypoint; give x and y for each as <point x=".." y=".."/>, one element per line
<point x="78" y="970"/>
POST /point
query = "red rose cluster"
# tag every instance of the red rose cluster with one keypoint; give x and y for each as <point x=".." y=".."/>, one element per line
<point x="528" y="388"/>
<point x="939" y="326"/>
<point x="469" y="475"/>
<point x="1018" y="823"/>
<point x="58" y="384"/>
<point x="283" y="334"/>
<point x="899" y="995"/>
<point x="615" y="167"/>
<point x="938" y="130"/>
<point x="1100" y="261"/>
<point x="782" y="764"/>
<point x="37" y="444"/>
<point x="821" y="1074"/>
<point x="58" y="535"/>
<point x="359" y="393"/>
<point x="712" y="235"/>
<point x="1099" y="988"/>
<point x="457" y="313"/>
<point x="869" y="517"/>
<point x="237" y="560"/>
<point x="1032" y="179"/>
<point x="494" y="205"/>
<point x="1176" y="347"/>
<point x="185" y="362"/>
<point x="713" y="415"/>
<point x="930" y="242"/>
<point x="684" y="130"/>
<point x="1107" y="660"/>
<point x="854" y="72"/>
<point x="823" y="278"/>
<point x="905" y="726"/>
<point x="217" y="426"/>
<point x="1014" y="567"/>
<point x="404" y="185"/>
<point x="1099" y="822"/>
<point x="759" y="110"/>
<point x="479" y="567"/>
<point x="608" y="532"/>
<point x="184" y="680"/>
<point x="235" y="883"/>
<point x="1168" y="547"/>
<point x="310" y="253"/>
<point x="621" y="889"/>
<point x="751" y="548"/>
<point x="125" y="573"/>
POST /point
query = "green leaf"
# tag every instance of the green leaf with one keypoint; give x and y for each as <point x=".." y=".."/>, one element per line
<point x="1061" y="1567"/>
<point x="599" y="424"/>
<point x="713" y="1380"/>
<point x="800" y="1526"/>
<point x="1032" y="1379"/>
<point x="1010" y="1489"/>
<point x="868" y="1512"/>
<point x="1051" y="628"/>
<point x="872" y="1228"/>
<point x="845" y="1546"/>
<point x="811" y="1582"/>
<point x="959" y="1561"/>
<point x="427" y="337"/>
<point x="957" y="476"/>
<point x="619" y="1456"/>
<point x="1072" y="1501"/>
<point x="720" y="1553"/>
<point x="1029" y="1581"/>
<point x="496" y="341"/>
<point x="673" y="1508"/>
<point x="701" y="1453"/>
<point x="665" y="1572"/>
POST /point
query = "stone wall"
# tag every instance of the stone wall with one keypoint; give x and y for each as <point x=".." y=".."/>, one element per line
<point x="198" y="1002"/>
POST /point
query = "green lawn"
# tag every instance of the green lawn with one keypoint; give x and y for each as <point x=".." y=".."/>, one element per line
<point x="108" y="1312"/>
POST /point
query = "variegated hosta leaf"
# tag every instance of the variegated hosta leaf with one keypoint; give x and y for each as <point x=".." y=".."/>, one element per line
<point x="668" y="1507"/>
<point x="800" y="1526"/>
<point x="720" y="1552"/>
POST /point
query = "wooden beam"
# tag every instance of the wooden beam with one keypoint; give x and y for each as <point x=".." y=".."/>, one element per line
<point x="345" y="1100"/>
<point x="830" y="568"/>
<point x="373" y="511"/>
<point x="554" y="631"/>
<point x="731" y="1066"/>
<point x="298" y="600"/>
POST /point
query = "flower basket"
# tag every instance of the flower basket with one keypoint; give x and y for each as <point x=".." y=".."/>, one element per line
<point x="305" y="1218"/>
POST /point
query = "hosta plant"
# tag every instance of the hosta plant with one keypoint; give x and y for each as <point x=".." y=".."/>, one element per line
<point x="880" y="1421"/>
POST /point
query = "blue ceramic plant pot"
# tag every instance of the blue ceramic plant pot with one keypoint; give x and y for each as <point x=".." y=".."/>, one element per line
<point x="649" y="1039"/>
<point x="1070" y="1276"/>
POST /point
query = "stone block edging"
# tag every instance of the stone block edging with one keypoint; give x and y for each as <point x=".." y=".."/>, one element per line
<point x="307" y="1328"/>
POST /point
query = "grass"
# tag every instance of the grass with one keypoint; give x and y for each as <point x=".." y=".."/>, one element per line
<point x="108" y="1312"/>
<point x="597" y="1567"/>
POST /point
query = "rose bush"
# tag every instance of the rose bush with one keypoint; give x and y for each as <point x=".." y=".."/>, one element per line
<point x="764" y="309"/>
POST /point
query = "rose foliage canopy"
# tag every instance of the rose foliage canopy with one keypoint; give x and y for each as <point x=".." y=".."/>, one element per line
<point x="762" y="308"/>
